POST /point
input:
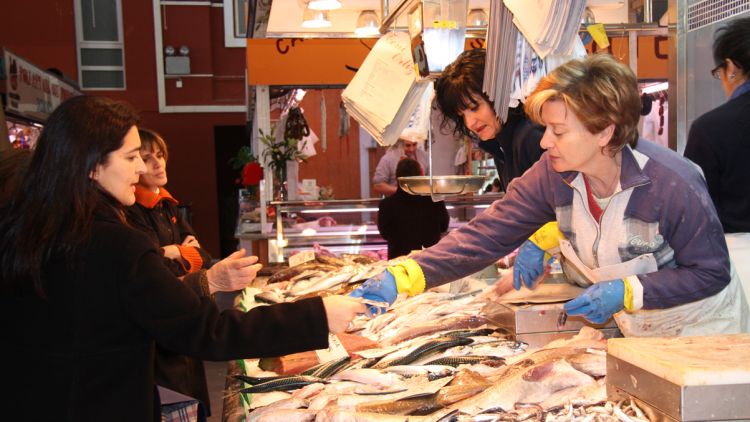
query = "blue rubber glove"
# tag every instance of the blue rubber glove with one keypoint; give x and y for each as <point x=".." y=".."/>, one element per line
<point x="529" y="265"/>
<point x="381" y="288"/>
<point x="599" y="302"/>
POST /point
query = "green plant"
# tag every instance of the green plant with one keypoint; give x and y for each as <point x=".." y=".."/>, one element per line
<point x="278" y="152"/>
<point x="244" y="156"/>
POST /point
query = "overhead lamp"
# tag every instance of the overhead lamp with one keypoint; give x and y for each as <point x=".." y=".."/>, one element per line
<point x="315" y="19"/>
<point x="324" y="4"/>
<point x="476" y="18"/>
<point x="368" y="24"/>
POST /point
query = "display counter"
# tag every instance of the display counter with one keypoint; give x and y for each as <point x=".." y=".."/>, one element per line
<point x="341" y="226"/>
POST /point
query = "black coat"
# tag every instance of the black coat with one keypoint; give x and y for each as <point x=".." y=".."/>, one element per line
<point x="410" y="222"/>
<point x="719" y="142"/>
<point x="158" y="216"/>
<point x="86" y="352"/>
<point x="516" y="147"/>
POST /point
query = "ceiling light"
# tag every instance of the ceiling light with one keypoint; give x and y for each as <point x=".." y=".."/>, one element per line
<point x="476" y="17"/>
<point x="315" y="19"/>
<point x="367" y="24"/>
<point x="324" y="4"/>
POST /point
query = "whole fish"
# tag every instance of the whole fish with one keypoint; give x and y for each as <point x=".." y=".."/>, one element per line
<point x="416" y="405"/>
<point x="269" y="296"/>
<point x="282" y="384"/>
<point x="431" y="371"/>
<point x="290" y="403"/>
<point x="410" y="332"/>
<point x="257" y="380"/>
<point x="332" y="367"/>
<point x="369" y="376"/>
<point x="290" y="272"/>
<point x="426" y="349"/>
<point x="528" y="381"/>
<point x="288" y="415"/>
<point x="341" y="415"/>
<point x="454" y="361"/>
<point x="323" y="283"/>
<point x="358" y="258"/>
<point x="330" y="260"/>
<point x="594" y="364"/>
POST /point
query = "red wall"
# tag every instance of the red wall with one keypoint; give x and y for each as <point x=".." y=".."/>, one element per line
<point x="47" y="39"/>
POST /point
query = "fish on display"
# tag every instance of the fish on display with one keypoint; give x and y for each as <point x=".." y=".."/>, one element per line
<point x="369" y="376"/>
<point x="461" y="321"/>
<point x="290" y="403"/>
<point x="455" y="361"/>
<point x="290" y="272"/>
<point x="282" y="384"/>
<point x="426" y="349"/>
<point x="528" y="381"/>
<point x="330" y="368"/>
<point x="327" y="281"/>
<point x="430" y="371"/>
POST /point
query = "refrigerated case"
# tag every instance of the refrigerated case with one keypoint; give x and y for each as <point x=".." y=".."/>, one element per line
<point x="341" y="226"/>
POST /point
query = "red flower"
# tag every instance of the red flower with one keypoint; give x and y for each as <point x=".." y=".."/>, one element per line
<point x="251" y="174"/>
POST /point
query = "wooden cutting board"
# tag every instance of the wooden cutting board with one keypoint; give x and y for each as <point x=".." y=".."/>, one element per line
<point x="689" y="361"/>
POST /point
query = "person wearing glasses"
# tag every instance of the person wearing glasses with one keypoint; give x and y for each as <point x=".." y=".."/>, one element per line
<point x="635" y="218"/>
<point x="719" y="141"/>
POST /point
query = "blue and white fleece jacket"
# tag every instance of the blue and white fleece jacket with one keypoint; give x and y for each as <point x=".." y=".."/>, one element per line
<point x="662" y="207"/>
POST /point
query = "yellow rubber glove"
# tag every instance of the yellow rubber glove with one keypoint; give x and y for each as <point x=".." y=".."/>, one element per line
<point x="409" y="277"/>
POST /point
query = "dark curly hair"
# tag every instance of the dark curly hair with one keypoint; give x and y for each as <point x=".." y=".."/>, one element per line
<point x="457" y="86"/>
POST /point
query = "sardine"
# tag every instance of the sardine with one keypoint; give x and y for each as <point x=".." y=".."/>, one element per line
<point x="282" y="384"/>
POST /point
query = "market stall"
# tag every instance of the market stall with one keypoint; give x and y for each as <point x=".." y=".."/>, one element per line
<point x="29" y="94"/>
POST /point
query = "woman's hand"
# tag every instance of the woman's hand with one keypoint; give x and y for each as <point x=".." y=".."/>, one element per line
<point x="340" y="311"/>
<point x="190" y="240"/>
<point x="171" y="252"/>
<point x="232" y="273"/>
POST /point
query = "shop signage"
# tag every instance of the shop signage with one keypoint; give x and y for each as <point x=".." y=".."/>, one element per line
<point x="30" y="91"/>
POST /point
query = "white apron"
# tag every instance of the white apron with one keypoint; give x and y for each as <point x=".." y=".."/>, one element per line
<point x="723" y="313"/>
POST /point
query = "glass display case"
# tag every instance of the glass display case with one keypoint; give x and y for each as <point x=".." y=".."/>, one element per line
<point x="345" y="226"/>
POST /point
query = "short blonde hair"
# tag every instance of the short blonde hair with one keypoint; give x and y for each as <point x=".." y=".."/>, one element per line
<point x="599" y="90"/>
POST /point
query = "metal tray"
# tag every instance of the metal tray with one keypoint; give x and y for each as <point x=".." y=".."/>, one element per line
<point x="441" y="185"/>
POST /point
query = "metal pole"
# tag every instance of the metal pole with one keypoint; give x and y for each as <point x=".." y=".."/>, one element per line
<point x="648" y="11"/>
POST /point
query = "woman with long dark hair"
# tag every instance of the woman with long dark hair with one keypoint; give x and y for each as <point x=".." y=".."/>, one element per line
<point x="85" y="297"/>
